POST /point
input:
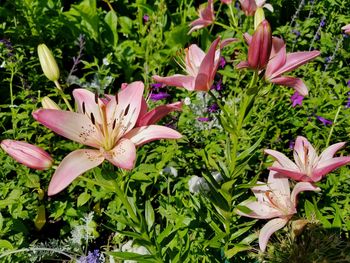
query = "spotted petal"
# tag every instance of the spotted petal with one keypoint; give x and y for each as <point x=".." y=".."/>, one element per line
<point x="123" y="155"/>
<point x="74" y="126"/>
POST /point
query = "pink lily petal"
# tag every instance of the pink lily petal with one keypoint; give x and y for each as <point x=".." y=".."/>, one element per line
<point x="227" y="42"/>
<point x="259" y="210"/>
<point x="208" y="67"/>
<point x="304" y="152"/>
<point x="142" y="135"/>
<point x="283" y="160"/>
<point x="301" y="187"/>
<point x="277" y="58"/>
<point x="177" y="80"/>
<point x="86" y="97"/>
<point x="328" y="166"/>
<point x="277" y="45"/>
<point x="295" y="83"/>
<point x="247" y="38"/>
<point x="346" y="29"/>
<point x="330" y="151"/>
<point x="259" y="191"/>
<point x="243" y="64"/>
<point x="73" y="165"/>
<point x="295" y="60"/>
<point x="271" y="227"/>
<point x="143" y="110"/>
<point x="296" y="175"/>
<point x="279" y="184"/>
<point x="206" y="17"/>
<point x="194" y="57"/>
<point x="72" y="125"/>
<point x="158" y="113"/>
<point x="27" y="154"/>
<point x="123" y="155"/>
<point x="127" y="109"/>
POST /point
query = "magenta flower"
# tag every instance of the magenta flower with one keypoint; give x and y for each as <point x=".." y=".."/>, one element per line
<point x="206" y="17"/>
<point x="274" y="200"/>
<point x="346" y="29"/>
<point x="227" y="2"/>
<point x="259" y="47"/>
<point x="280" y="62"/>
<point x="27" y="154"/>
<point x="200" y="67"/>
<point x="308" y="166"/>
<point x="108" y="125"/>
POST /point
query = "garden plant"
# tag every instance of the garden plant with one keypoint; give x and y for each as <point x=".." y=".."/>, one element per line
<point x="175" y="131"/>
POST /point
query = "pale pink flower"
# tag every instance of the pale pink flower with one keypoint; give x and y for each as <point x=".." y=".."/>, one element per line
<point x="281" y="62"/>
<point x="109" y="125"/>
<point x="274" y="200"/>
<point x="206" y="17"/>
<point x="346" y="29"/>
<point x="249" y="6"/>
<point x="200" y="67"/>
<point x="27" y="154"/>
<point x="308" y="166"/>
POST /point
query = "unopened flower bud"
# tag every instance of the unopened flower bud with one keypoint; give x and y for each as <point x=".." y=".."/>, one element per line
<point x="48" y="103"/>
<point x="248" y="7"/>
<point x="48" y="63"/>
<point x="260" y="46"/>
<point x="259" y="16"/>
<point x="27" y="154"/>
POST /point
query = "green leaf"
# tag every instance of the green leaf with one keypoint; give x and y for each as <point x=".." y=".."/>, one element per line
<point x="5" y="244"/>
<point x="111" y="20"/>
<point x="133" y="256"/>
<point x="83" y="198"/>
<point x="149" y="214"/>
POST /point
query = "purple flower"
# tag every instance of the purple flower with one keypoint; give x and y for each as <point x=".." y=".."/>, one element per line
<point x="323" y="22"/>
<point x="296" y="99"/>
<point x="324" y="121"/>
<point x="348" y="83"/>
<point x="203" y="119"/>
<point x="222" y="62"/>
<point x="145" y="18"/>
<point x="213" y="108"/>
<point x="347" y="103"/>
<point x="159" y="96"/>
<point x="296" y="32"/>
<point x="92" y="257"/>
<point x="328" y="59"/>
<point x="217" y="85"/>
<point x="156" y="85"/>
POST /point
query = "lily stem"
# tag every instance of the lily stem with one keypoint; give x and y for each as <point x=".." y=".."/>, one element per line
<point x="58" y="86"/>
<point x="333" y="125"/>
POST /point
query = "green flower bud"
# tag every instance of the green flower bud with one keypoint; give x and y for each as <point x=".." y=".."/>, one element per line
<point x="48" y="63"/>
<point x="48" y="103"/>
<point x="259" y="16"/>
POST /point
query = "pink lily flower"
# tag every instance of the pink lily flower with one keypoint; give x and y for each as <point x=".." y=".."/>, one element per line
<point x="274" y="200"/>
<point x="249" y="6"/>
<point x="280" y="62"/>
<point x="109" y="125"/>
<point x="200" y="67"/>
<point x="346" y="29"/>
<point x="27" y="154"/>
<point x="206" y="17"/>
<point x="308" y="166"/>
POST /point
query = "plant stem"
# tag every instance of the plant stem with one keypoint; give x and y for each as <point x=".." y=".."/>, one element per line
<point x="333" y="125"/>
<point x="35" y="249"/>
<point x="14" y="126"/>
<point x="109" y="5"/>
<point x="121" y="195"/>
<point x="58" y="86"/>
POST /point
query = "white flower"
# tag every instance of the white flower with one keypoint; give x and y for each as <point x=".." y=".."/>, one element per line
<point x="128" y="247"/>
<point x="187" y="101"/>
<point x="170" y="170"/>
